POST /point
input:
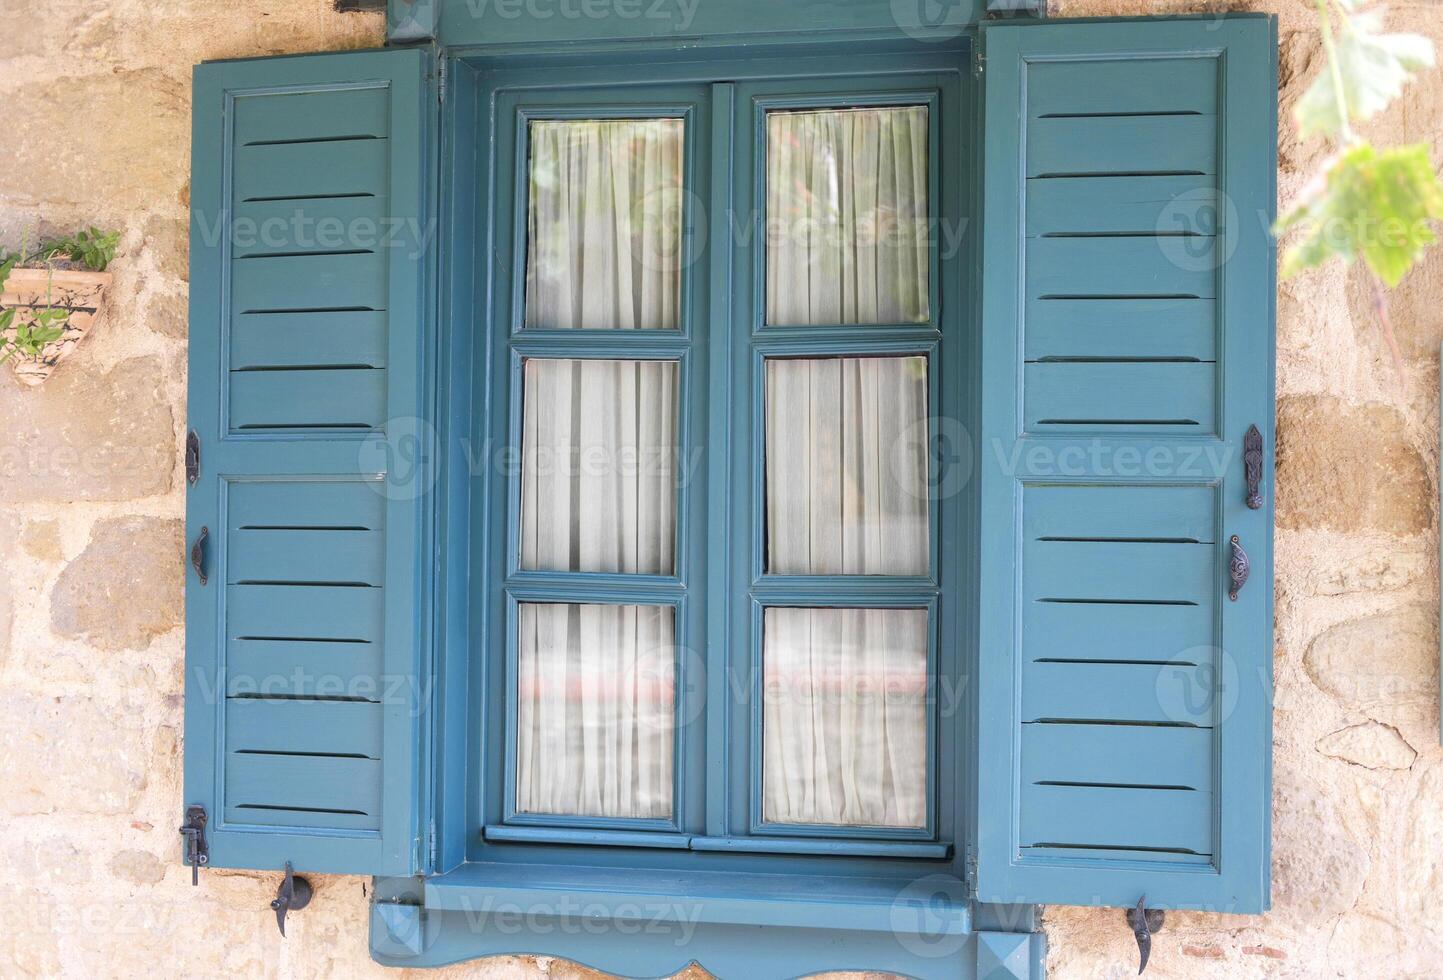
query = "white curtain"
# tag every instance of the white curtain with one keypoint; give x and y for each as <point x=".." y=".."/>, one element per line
<point x="604" y="243"/>
<point x="845" y="720"/>
<point x="598" y="470"/>
<point x="595" y="710"/>
<point x="847" y="216"/>
<point x="846" y="460"/>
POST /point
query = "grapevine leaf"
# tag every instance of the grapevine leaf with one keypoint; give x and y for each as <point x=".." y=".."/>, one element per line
<point x="1375" y="205"/>
<point x="1373" y="67"/>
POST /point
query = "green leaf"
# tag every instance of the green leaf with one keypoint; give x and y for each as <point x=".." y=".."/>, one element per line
<point x="1377" y="206"/>
<point x="1374" y="68"/>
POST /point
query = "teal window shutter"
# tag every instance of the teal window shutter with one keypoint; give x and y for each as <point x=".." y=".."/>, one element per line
<point x="305" y="593"/>
<point x="1125" y="698"/>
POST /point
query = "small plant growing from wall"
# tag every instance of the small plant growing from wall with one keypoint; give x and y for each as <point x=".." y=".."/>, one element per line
<point x="1371" y="203"/>
<point x="51" y="296"/>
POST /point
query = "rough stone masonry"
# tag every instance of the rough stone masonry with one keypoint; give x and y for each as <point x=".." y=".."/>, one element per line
<point x="96" y="96"/>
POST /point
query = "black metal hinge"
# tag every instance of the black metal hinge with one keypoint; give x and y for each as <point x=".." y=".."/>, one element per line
<point x="192" y="457"/>
<point x="197" y="848"/>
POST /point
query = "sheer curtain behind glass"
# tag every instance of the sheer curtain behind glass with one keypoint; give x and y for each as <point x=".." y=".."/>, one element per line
<point x="847" y="216"/>
<point x="598" y="473"/>
<point x="847" y="466"/>
<point x="595" y="710"/>
<point x="604" y="218"/>
<point x="598" y="494"/>
<point x="844" y="726"/>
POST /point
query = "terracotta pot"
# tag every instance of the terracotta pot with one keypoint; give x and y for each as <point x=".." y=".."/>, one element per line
<point x="82" y="293"/>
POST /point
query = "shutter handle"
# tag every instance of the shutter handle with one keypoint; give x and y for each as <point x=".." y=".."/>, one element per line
<point x="1253" y="466"/>
<point x="1238" y="567"/>
<point x="197" y="555"/>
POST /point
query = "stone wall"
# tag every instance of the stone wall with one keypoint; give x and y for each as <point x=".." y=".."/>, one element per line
<point x="96" y="108"/>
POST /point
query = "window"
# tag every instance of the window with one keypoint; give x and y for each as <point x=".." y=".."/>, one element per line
<point x="719" y="613"/>
<point x="721" y="514"/>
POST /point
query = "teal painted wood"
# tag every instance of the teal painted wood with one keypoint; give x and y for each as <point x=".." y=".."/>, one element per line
<point x="1120" y="205"/>
<point x="1124" y="734"/>
<point x="303" y="648"/>
<point x="1118" y="755"/>
<point x="1121" y="329"/>
<point x="1147" y="266"/>
<point x="308" y="399"/>
<point x="332" y="168"/>
<point x="356" y="338"/>
<point x="1120" y="396"/>
<point x="321" y="114"/>
<point x="1150" y="693"/>
<point x="1098" y="631"/>
<point x="307" y="555"/>
<point x="311" y="225"/>
<point x="1117" y="817"/>
<point x="1138" y="514"/>
<point x="1171" y="86"/>
<point x="339" y="280"/>
<point x="303" y="668"/>
<point x="479" y="598"/>
<point x="1147" y="573"/>
<point x="305" y="727"/>
<point x="1072" y="147"/>
<point x="503" y="24"/>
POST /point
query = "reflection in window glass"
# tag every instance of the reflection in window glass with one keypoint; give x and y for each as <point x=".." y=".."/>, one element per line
<point x="847" y="216"/>
<point x="846" y="466"/>
<point x="595" y="710"/>
<point x="844" y="727"/>
<point x="598" y="466"/>
<point x="604" y="223"/>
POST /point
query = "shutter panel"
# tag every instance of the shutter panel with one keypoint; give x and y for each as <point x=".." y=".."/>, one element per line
<point x="307" y="355"/>
<point x="1125" y="700"/>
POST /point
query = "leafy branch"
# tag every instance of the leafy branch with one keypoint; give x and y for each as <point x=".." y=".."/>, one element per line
<point x="1377" y="205"/>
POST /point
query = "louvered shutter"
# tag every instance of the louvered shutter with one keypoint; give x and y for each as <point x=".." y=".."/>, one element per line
<point x="1125" y="708"/>
<point x="308" y="296"/>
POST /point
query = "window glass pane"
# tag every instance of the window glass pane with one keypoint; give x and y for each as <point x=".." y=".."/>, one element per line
<point x="845" y="717"/>
<point x="604" y="220"/>
<point x="595" y="710"/>
<point x="598" y="473"/>
<point x="846" y="459"/>
<point x="847" y="216"/>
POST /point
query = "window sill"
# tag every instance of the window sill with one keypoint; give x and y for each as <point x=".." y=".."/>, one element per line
<point x="867" y="904"/>
<point x="925" y="850"/>
<point x="756" y="925"/>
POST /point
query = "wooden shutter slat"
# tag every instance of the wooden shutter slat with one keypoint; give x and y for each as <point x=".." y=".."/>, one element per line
<point x="1117" y="755"/>
<point x="1122" y="205"/>
<point x="1162" y="85"/>
<point x="292" y="171"/>
<point x="355" y="338"/>
<point x="333" y="114"/>
<point x="1139" y="820"/>
<point x="1121" y="329"/>
<point x="1122" y="145"/>
<point x="1165" y="693"/>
